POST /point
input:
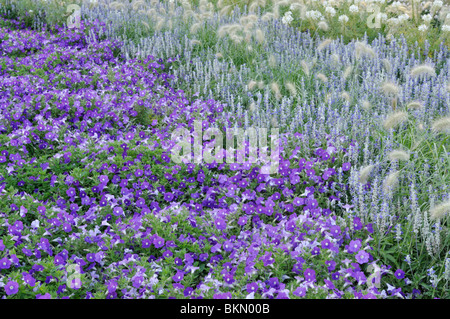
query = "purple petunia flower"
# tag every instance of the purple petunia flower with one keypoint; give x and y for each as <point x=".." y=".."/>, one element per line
<point x="399" y="274"/>
<point x="310" y="275"/>
<point x="11" y="288"/>
<point x="362" y="257"/>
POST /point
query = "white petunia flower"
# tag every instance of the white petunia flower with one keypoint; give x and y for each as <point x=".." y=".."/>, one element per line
<point x="403" y="17"/>
<point x="287" y="18"/>
<point x="343" y="18"/>
<point x="427" y="17"/>
<point x="423" y="28"/>
<point x="353" y="9"/>
<point x="331" y="11"/>
<point x="446" y="28"/>
<point x="437" y="4"/>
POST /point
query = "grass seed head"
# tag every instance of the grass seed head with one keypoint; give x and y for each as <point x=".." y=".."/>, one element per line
<point x="291" y="88"/>
<point x="398" y="155"/>
<point x="441" y="125"/>
<point x="440" y="210"/>
<point x="322" y="77"/>
<point x="414" y="105"/>
<point x="390" y="88"/>
<point x="395" y="119"/>
<point x="387" y="65"/>
<point x="423" y="69"/>
<point x="364" y="173"/>
<point x="366" y="105"/>
<point x="391" y="182"/>
<point x="324" y="44"/>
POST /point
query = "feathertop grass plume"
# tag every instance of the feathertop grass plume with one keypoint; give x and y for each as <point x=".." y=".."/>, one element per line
<point x="348" y="70"/>
<point x="366" y="105"/>
<point x="291" y="88"/>
<point x="324" y="44"/>
<point x="441" y="125"/>
<point x="226" y="10"/>
<point x="259" y="35"/>
<point x="335" y="58"/>
<point x="345" y="96"/>
<point x="272" y="61"/>
<point x="387" y="65"/>
<point x="322" y="77"/>
<point x="305" y="67"/>
<point x="395" y="119"/>
<point x="195" y="42"/>
<point x="362" y="49"/>
<point x="145" y="24"/>
<point x="267" y="17"/>
<point x="440" y="210"/>
<point x="160" y="24"/>
<point x="252" y="107"/>
<point x="448" y="87"/>
<point x="251" y="18"/>
<point x="261" y="85"/>
<point x="391" y="182"/>
<point x="390" y="88"/>
<point x="364" y="173"/>
<point x="398" y="155"/>
<point x="219" y="55"/>
<point x="414" y="105"/>
<point x="423" y="69"/>
<point x="276" y="90"/>
<point x="323" y="26"/>
<point x="195" y="27"/>
<point x="136" y="5"/>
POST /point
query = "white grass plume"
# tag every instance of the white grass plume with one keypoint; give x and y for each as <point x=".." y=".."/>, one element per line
<point x="440" y="210"/>
<point x="441" y="125"/>
<point x="276" y="90"/>
<point x="387" y="65"/>
<point x="291" y="88"/>
<point x="366" y="105"/>
<point x="364" y="173"/>
<point x="414" y="105"/>
<point x="305" y="67"/>
<point x="390" y="88"/>
<point x="323" y="26"/>
<point x="259" y="35"/>
<point x="272" y="61"/>
<point x="395" y="119"/>
<point x="391" y="182"/>
<point x="398" y="155"/>
<point x="362" y="49"/>
<point x="348" y="70"/>
<point x="322" y="77"/>
<point x="324" y="44"/>
<point x="423" y="69"/>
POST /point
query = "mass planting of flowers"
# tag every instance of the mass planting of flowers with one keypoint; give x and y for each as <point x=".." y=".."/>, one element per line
<point x="92" y="205"/>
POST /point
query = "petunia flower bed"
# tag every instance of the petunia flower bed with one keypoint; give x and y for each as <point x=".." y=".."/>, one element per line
<point x="93" y="207"/>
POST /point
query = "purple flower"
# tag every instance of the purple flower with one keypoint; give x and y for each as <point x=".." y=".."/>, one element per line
<point x="362" y="257"/>
<point x="220" y="224"/>
<point x="118" y="211"/>
<point x="252" y="287"/>
<point x="228" y="246"/>
<point x="178" y="276"/>
<point x="5" y="263"/>
<point x="158" y="241"/>
<point x="228" y="278"/>
<point x="46" y="296"/>
<point x="310" y="275"/>
<point x="354" y="246"/>
<point x="11" y="288"/>
<point x="300" y="292"/>
<point x="399" y="274"/>
<point x="346" y="166"/>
